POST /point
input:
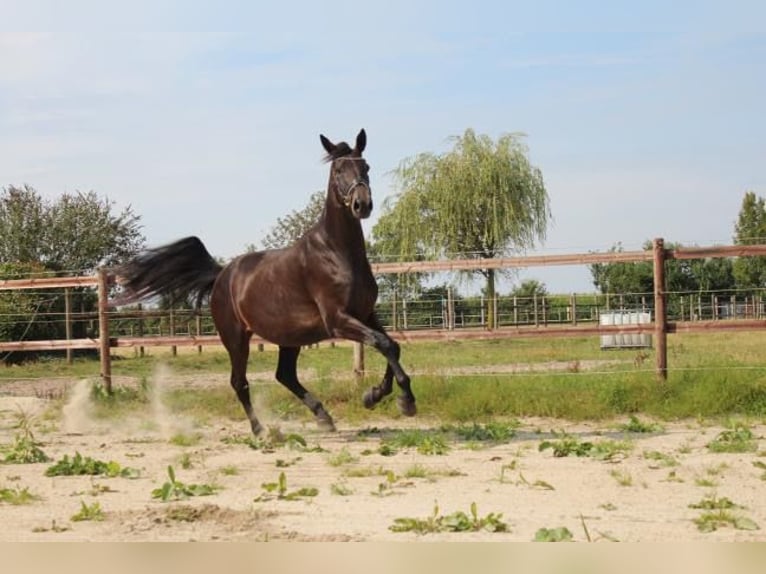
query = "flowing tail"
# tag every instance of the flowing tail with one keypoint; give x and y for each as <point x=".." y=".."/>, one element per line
<point x="183" y="270"/>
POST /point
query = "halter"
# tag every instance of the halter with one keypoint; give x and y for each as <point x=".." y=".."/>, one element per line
<point x="346" y="195"/>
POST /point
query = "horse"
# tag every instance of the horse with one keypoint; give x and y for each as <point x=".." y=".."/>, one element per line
<point x="318" y="288"/>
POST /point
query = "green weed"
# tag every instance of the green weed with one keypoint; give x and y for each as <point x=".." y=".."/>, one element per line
<point x="719" y="513"/>
<point x="426" y="442"/>
<point x="18" y="496"/>
<point x="659" y="459"/>
<point x="634" y="425"/>
<point x="341" y="458"/>
<point x="279" y="491"/>
<point x="88" y="512"/>
<point x="456" y="522"/>
<point x="739" y="439"/>
<point x="173" y="489"/>
<point x="24" y="449"/>
<point x="568" y="445"/>
<point x="560" y="534"/>
<point x="79" y="465"/>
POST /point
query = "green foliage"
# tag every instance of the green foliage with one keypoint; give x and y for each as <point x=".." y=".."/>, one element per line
<point x="633" y="279"/>
<point x="738" y="439"/>
<point x="493" y="431"/>
<point x="79" y="465"/>
<point x="279" y="491"/>
<point x="17" y="496"/>
<point x="428" y="443"/>
<point x="291" y="227"/>
<point x="568" y="445"/>
<point x="560" y="534"/>
<point x="750" y="272"/>
<point x="273" y="440"/>
<point x="719" y="512"/>
<point x="174" y="489"/>
<point x="24" y="449"/>
<point x="456" y="522"/>
<point x="634" y="425"/>
<point x="482" y="198"/>
<point x="89" y="512"/>
<point x="75" y="233"/>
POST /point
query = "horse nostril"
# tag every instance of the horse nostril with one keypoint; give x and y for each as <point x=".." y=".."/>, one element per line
<point x="357" y="205"/>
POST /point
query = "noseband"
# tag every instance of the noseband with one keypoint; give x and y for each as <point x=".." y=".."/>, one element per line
<point x="346" y="195"/>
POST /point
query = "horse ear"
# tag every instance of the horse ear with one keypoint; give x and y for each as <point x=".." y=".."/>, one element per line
<point x="361" y="141"/>
<point x="327" y="144"/>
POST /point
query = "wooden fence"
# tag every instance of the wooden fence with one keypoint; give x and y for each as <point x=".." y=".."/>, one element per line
<point x="660" y="327"/>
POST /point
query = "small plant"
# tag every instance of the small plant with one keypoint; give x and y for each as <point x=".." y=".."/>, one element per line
<point x="282" y="463"/>
<point x="387" y="488"/>
<point x="560" y="534"/>
<point x="343" y="457"/>
<point x="274" y="440"/>
<point x="494" y="432"/>
<point x="174" y="489"/>
<point x="340" y="489"/>
<point x="428" y="443"/>
<point x="88" y="512"/>
<point x="455" y="522"/>
<point x="719" y="512"/>
<point x="229" y="470"/>
<point x="762" y="466"/>
<point x="566" y="446"/>
<point x="186" y="461"/>
<point x="622" y="478"/>
<point x="25" y="449"/>
<point x="280" y="488"/>
<point x="739" y="439"/>
<point x="634" y="425"/>
<point x="79" y="465"/>
<point x="659" y="459"/>
<point x="17" y="496"/>
<point x="185" y="439"/>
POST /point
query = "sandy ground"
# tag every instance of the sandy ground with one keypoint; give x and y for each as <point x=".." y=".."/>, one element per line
<point x="634" y="497"/>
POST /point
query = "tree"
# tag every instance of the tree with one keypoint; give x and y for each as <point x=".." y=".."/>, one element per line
<point x="481" y="199"/>
<point x="78" y="232"/>
<point x="633" y="280"/>
<point x="750" y="272"/>
<point x="291" y="227"/>
<point x="75" y="233"/>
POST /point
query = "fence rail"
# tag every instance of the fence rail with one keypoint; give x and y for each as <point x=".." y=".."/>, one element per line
<point x="540" y="323"/>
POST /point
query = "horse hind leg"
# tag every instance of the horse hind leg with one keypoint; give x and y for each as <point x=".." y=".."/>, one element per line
<point x="238" y="346"/>
<point x="287" y="374"/>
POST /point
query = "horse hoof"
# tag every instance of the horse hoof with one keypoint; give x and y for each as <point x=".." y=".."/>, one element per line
<point x="256" y="427"/>
<point x="407" y="407"/>
<point x="325" y="423"/>
<point x="369" y="399"/>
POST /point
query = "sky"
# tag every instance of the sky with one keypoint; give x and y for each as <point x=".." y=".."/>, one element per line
<point x="645" y="118"/>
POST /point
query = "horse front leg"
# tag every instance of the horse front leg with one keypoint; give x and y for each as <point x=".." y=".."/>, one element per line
<point x="373" y="334"/>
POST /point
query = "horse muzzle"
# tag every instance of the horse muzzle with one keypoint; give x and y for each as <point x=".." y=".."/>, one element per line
<point x="360" y="202"/>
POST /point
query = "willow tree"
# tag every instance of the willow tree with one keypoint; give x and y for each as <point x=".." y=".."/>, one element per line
<point x="481" y="199"/>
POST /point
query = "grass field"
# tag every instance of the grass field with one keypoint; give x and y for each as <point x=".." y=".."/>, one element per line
<point x="709" y="376"/>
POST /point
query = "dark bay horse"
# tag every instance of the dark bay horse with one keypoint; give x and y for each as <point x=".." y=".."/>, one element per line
<point x="320" y="287"/>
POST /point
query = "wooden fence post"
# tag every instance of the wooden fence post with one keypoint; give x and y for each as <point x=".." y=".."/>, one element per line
<point x="103" y="329"/>
<point x="660" y="311"/>
<point x="68" y="321"/>
<point x="358" y="359"/>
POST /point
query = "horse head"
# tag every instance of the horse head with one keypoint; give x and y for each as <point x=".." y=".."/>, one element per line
<point x="349" y="175"/>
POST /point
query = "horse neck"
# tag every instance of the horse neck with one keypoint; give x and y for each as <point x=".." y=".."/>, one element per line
<point x="344" y="230"/>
